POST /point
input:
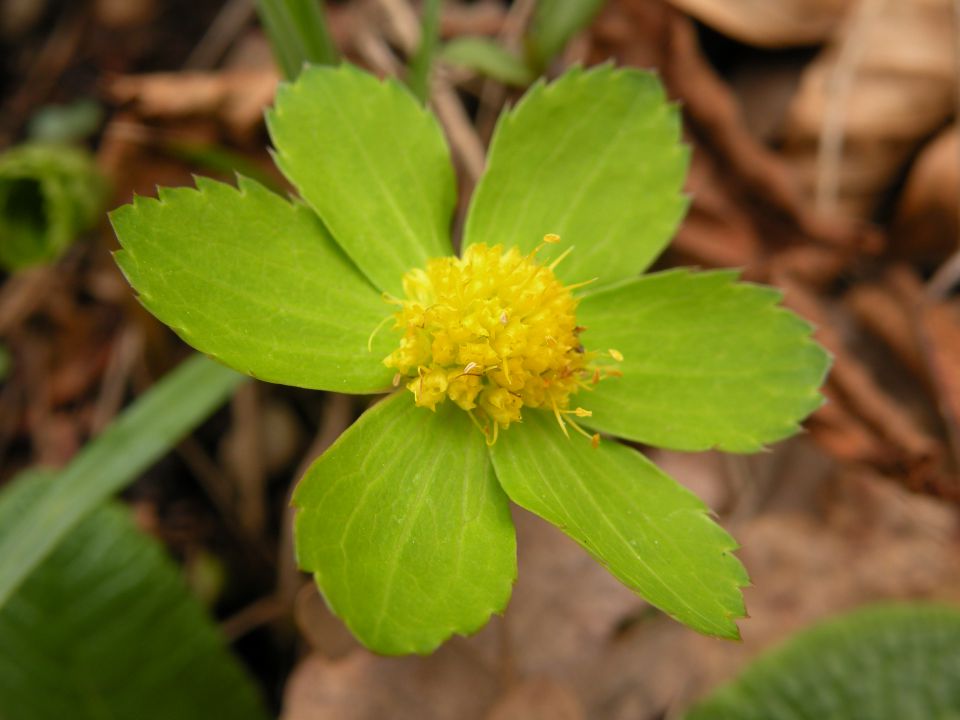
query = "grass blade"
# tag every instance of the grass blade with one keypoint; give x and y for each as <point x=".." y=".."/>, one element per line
<point x="134" y="441"/>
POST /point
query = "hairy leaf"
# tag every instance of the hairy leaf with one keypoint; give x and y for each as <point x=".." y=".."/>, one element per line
<point x="887" y="662"/>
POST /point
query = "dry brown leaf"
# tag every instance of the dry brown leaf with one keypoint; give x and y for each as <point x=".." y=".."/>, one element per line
<point x="848" y="540"/>
<point x="452" y="683"/>
<point x="770" y="23"/>
<point x="853" y="384"/>
<point x="747" y="208"/>
<point x="804" y="567"/>
<point x="324" y="632"/>
<point x="925" y="228"/>
<point x="869" y="100"/>
<point x="537" y="699"/>
<point x="237" y="98"/>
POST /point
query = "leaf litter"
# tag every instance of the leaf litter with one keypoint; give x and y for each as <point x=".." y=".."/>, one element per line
<point x="859" y="510"/>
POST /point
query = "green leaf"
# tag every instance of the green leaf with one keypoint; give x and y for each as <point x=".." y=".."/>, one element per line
<point x="297" y="30"/>
<point x="653" y="534"/>
<point x="594" y="157"/>
<point x="141" y="435"/>
<point x="886" y="662"/>
<point x="554" y="23"/>
<point x="405" y="528"/>
<point x="308" y="18"/>
<point x="708" y="362"/>
<point x="256" y="282"/>
<point x="421" y="64"/>
<point x="372" y="162"/>
<point x="49" y="194"/>
<point x="489" y="58"/>
<point x="104" y="628"/>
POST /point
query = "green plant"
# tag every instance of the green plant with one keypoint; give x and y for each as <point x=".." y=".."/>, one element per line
<point x="104" y="627"/>
<point x="49" y="194"/>
<point x="94" y="620"/>
<point x="298" y="34"/>
<point x="885" y="662"/>
<point x="404" y="522"/>
<point x="139" y="437"/>
<point x="554" y="22"/>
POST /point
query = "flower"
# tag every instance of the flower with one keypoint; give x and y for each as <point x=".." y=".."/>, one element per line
<point x="542" y="320"/>
<point x="494" y="331"/>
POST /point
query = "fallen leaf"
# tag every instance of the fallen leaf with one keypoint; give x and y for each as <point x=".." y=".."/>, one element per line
<point x="770" y="23"/>
<point x="869" y="100"/>
<point x="925" y="227"/>
<point x="537" y="699"/>
<point x="237" y="98"/>
<point x="451" y="683"/>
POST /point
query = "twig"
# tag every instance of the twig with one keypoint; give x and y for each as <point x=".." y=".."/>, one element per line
<point x="464" y="140"/>
<point x="123" y="357"/>
<point x="337" y="414"/>
<point x="248" y="471"/>
<point x="260" y="612"/>
<point x="23" y="293"/>
<point x="42" y="76"/>
<point x="221" y="34"/>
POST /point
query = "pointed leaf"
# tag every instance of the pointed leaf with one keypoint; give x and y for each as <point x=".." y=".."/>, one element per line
<point x="374" y="165"/>
<point x="405" y="528"/>
<point x="886" y="662"/>
<point x="594" y="157"/>
<point x="256" y="282"/>
<point x="654" y="535"/>
<point x="105" y="628"/>
<point x="708" y="362"/>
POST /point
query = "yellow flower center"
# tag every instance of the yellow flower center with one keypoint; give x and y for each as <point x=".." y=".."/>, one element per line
<point x="493" y="331"/>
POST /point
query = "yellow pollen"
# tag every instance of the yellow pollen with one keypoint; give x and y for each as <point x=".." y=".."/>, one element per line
<point x="495" y="332"/>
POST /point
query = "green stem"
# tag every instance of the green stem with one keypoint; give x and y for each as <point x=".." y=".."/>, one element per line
<point x="298" y="34"/>
<point x="308" y="18"/>
<point x="418" y="74"/>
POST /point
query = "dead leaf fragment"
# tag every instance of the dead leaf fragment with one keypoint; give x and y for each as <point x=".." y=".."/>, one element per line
<point x="537" y="699"/>
<point x="869" y="100"/>
<point x="451" y="683"/>
<point x="770" y="23"/>
<point x="238" y="97"/>
<point x="925" y="228"/>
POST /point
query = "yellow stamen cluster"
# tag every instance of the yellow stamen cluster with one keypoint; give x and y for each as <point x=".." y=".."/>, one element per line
<point x="494" y="331"/>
